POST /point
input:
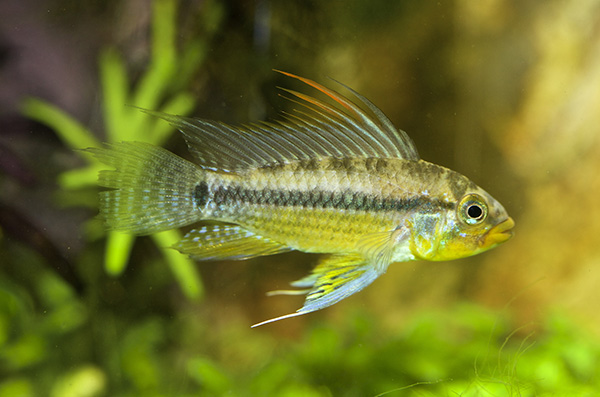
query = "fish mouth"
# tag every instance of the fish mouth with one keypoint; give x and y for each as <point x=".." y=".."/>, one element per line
<point x="499" y="233"/>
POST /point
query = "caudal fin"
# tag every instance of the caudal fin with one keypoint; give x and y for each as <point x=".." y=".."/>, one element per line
<point x="152" y="189"/>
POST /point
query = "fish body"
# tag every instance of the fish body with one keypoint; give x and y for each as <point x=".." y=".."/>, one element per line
<point x="335" y="180"/>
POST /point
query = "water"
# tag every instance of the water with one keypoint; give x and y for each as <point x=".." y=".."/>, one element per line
<point x="503" y="93"/>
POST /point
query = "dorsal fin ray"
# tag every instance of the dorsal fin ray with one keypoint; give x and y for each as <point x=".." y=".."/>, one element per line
<point x="365" y="124"/>
<point x="407" y="146"/>
<point x="356" y="135"/>
<point x="398" y="139"/>
<point x="325" y="130"/>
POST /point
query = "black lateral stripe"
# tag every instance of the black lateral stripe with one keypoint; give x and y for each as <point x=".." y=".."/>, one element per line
<point x="345" y="200"/>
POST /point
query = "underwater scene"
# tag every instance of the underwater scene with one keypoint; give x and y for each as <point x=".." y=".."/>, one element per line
<point x="300" y="198"/>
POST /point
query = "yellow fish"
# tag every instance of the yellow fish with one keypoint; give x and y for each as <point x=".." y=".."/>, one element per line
<point x="333" y="177"/>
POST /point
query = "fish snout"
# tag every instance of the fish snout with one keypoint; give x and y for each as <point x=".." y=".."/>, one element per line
<point x="498" y="234"/>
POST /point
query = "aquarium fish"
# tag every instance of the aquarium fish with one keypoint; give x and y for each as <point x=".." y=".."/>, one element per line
<point x="332" y="177"/>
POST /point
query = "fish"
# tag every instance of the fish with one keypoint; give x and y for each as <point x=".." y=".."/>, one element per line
<point x="333" y="176"/>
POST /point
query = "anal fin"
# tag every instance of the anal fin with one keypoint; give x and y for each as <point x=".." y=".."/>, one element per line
<point x="335" y="278"/>
<point x="227" y="242"/>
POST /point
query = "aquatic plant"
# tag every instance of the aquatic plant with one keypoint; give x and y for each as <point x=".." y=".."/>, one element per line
<point x="162" y="87"/>
<point x="79" y="346"/>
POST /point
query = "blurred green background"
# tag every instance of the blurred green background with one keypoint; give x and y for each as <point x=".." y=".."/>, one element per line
<point x="505" y="92"/>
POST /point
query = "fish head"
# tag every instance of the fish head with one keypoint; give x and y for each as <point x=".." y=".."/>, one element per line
<point x="475" y="223"/>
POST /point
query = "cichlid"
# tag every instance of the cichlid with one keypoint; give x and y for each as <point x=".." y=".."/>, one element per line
<point x="332" y="177"/>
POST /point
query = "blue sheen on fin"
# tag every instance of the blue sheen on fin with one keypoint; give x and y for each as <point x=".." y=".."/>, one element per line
<point x="335" y="278"/>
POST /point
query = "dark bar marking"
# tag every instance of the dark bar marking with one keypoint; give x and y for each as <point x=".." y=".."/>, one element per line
<point x="201" y="194"/>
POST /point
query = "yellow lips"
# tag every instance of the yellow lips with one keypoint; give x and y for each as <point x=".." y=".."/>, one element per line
<point x="498" y="234"/>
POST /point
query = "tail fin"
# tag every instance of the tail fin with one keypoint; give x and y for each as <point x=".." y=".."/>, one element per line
<point x="153" y="189"/>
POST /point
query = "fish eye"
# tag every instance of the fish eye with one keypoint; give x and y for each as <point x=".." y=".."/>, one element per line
<point x="472" y="209"/>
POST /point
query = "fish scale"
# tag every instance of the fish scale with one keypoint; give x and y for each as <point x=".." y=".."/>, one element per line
<point x="317" y="212"/>
<point x="333" y="177"/>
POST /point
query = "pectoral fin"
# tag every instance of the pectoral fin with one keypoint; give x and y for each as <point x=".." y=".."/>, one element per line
<point x="334" y="279"/>
<point x="379" y="247"/>
<point x="227" y="242"/>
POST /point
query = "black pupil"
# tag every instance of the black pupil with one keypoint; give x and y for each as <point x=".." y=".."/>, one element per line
<point x="474" y="211"/>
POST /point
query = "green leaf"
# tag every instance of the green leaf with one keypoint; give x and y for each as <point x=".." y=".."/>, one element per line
<point x="71" y="132"/>
<point x="114" y="84"/>
<point x="80" y="178"/>
<point x="183" y="269"/>
<point x="118" y="248"/>
<point x="154" y="83"/>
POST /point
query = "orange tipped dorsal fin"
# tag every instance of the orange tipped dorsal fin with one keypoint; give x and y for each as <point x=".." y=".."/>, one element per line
<point x="340" y="129"/>
<point x="331" y="94"/>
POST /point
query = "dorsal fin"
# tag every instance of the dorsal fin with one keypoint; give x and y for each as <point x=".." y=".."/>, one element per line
<point x="376" y="127"/>
<point x="323" y="131"/>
